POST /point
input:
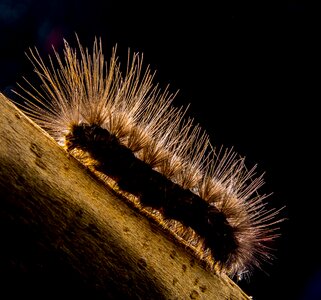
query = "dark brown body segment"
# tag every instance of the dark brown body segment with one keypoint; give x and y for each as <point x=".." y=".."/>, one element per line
<point x="154" y="189"/>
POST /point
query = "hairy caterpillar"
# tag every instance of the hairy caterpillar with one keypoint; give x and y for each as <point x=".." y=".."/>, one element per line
<point x="125" y="129"/>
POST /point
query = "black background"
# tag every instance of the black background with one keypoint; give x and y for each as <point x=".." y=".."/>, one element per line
<point x="250" y="72"/>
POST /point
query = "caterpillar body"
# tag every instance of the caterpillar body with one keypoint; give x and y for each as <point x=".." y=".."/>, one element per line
<point x="125" y="129"/>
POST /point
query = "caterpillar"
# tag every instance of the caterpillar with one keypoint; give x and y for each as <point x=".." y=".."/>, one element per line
<point x="125" y="128"/>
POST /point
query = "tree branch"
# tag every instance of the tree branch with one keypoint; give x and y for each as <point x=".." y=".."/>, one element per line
<point x="63" y="231"/>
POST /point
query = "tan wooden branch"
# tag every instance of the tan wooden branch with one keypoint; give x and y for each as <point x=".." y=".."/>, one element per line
<point x="62" y="229"/>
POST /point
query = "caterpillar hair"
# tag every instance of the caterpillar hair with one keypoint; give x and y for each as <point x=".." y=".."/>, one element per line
<point x="124" y="128"/>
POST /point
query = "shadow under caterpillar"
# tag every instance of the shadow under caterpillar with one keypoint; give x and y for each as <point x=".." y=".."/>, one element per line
<point x="124" y="127"/>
